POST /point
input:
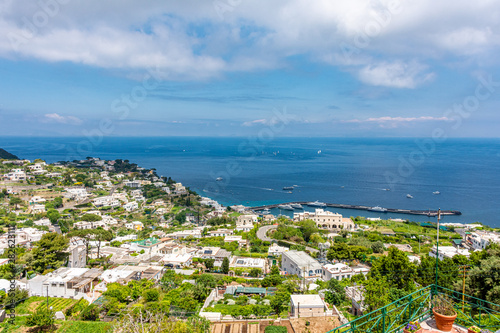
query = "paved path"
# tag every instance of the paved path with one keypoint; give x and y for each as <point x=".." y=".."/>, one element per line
<point x="262" y="232"/>
<point x="262" y="235"/>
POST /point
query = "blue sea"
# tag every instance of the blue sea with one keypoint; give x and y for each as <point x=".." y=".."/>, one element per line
<point x="358" y="171"/>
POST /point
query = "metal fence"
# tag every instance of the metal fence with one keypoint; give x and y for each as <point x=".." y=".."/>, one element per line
<point x="416" y="306"/>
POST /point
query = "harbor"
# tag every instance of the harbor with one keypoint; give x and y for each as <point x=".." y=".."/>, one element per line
<point x="429" y="213"/>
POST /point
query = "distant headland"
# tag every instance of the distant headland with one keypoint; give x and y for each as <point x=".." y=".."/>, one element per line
<point x="6" y="155"/>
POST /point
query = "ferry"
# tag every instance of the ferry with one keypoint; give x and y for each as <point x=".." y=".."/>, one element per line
<point x="436" y="192"/>
<point x="285" y="207"/>
<point x="296" y="206"/>
<point x="316" y="204"/>
<point x="409" y="196"/>
<point x="378" y="209"/>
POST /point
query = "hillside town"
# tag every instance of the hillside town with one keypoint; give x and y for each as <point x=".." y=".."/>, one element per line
<point x="94" y="239"/>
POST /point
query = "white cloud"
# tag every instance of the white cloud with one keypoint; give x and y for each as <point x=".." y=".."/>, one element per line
<point x="397" y="74"/>
<point x="54" y="117"/>
<point x="392" y="122"/>
<point x="193" y="40"/>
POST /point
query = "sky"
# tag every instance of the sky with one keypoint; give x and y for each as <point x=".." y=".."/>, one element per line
<point x="357" y="68"/>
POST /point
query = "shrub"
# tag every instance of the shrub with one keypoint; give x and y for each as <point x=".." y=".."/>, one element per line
<point x="90" y="313"/>
<point x="42" y="319"/>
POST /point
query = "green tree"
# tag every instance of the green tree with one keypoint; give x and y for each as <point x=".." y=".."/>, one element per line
<point x="53" y="215"/>
<point x="336" y="293"/>
<point x="91" y="218"/>
<point x="483" y="281"/>
<point x="151" y="295"/>
<point x="90" y="313"/>
<point x="225" y="265"/>
<point x="338" y="251"/>
<point x="58" y="202"/>
<point x="80" y="177"/>
<point x="447" y="272"/>
<point x="378" y="247"/>
<point x="280" y="300"/>
<point x="376" y="295"/>
<point x="397" y="269"/>
<point x="255" y="272"/>
<point x="308" y="227"/>
<point x="15" y="201"/>
<point x="209" y="264"/>
<point x="100" y="235"/>
<point x="43" y="319"/>
<point x="49" y="252"/>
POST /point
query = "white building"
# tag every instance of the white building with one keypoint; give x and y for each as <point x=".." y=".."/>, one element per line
<point x="37" y="209"/>
<point x="76" y="193"/>
<point x="301" y="264"/>
<point x="37" y="200"/>
<point x="196" y="233"/>
<point x="239" y="239"/>
<point x="326" y="219"/>
<point x="77" y="256"/>
<point x="107" y="201"/>
<point x="245" y="222"/>
<point x="241" y="262"/>
<point x="42" y="222"/>
<point x="65" y="282"/>
<point x="341" y="271"/>
<point x="15" y="175"/>
<point x="480" y="240"/>
<point x="448" y="252"/>
<point x="308" y="306"/>
<point x="133" y="184"/>
<point x="221" y="233"/>
<point x="131" y="206"/>
<point x="179" y="188"/>
<point x="135" y="225"/>
<point x="276" y="250"/>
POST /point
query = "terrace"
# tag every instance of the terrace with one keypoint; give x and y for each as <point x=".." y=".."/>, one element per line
<point x="417" y="306"/>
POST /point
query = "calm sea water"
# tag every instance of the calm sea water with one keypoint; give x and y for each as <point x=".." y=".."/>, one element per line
<point x="351" y="171"/>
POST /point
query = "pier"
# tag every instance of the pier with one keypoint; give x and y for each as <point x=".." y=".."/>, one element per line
<point x="358" y="207"/>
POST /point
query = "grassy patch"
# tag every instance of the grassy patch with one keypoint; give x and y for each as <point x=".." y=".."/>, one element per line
<point x="29" y="305"/>
<point x="85" y="327"/>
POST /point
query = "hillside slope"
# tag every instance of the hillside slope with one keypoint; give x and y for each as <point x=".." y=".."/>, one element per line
<point x="6" y="155"/>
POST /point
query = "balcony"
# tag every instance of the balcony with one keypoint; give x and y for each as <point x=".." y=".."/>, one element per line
<point x="416" y="306"/>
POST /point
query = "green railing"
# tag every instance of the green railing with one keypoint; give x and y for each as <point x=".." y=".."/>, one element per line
<point x="416" y="306"/>
<point x="392" y="317"/>
<point x="472" y="310"/>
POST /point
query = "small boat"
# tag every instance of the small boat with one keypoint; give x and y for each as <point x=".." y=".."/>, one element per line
<point x="319" y="151"/>
<point x="219" y="179"/>
<point x="341" y="186"/>
<point x="266" y="212"/>
<point x="290" y="192"/>
<point x="387" y="189"/>
<point x="285" y="207"/>
<point x="296" y="206"/>
<point x="436" y="192"/>
<point x="316" y="204"/>
<point x="378" y="209"/>
<point x="288" y="188"/>
<point x="409" y="196"/>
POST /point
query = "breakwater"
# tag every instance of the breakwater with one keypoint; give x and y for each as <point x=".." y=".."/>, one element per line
<point x="367" y="208"/>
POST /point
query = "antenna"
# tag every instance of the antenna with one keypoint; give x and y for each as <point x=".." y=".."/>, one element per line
<point x="437" y="245"/>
